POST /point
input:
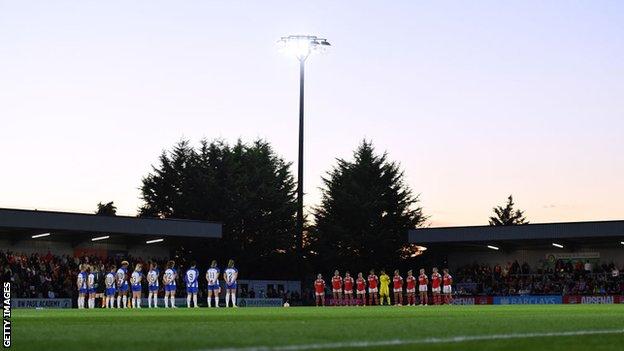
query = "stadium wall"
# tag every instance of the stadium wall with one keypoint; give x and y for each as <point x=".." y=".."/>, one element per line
<point x="532" y="257"/>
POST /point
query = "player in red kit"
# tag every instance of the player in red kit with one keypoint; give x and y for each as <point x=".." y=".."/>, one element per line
<point x="423" y="287"/>
<point x="436" y="282"/>
<point x="360" y="284"/>
<point x="373" y="290"/>
<point x="348" y="289"/>
<point x="337" y="288"/>
<point x="447" y="281"/>
<point x="319" y="290"/>
<point x="411" y="288"/>
<point x="397" y="288"/>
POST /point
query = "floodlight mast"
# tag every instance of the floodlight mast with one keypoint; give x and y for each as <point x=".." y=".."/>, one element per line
<point x="301" y="46"/>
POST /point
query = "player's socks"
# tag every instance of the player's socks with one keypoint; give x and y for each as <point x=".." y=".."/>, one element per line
<point x="155" y="300"/>
<point x="172" y="301"/>
<point x="209" y="300"/>
<point x="234" y="300"/>
<point x="188" y="301"/>
<point x="138" y="302"/>
<point x="195" y="300"/>
<point x="118" y="301"/>
<point x="166" y="302"/>
<point x="149" y="299"/>
<point x="125" y="301"/>
<point x="134" y="302"/>
<point x="227" y="299"/>
<point x="216" y="301"/>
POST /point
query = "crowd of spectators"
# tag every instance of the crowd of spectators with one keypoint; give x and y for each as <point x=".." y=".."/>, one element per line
<point x="563" y="277"/>
<point x="52" y="276"/>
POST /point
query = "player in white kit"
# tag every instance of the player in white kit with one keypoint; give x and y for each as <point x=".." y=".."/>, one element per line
<point x="109" y="293"/>
<point x="122" y="285"/>
<point x="135" y="284"/>
<point x="169" y="280"/>
<point x="152" y="284"/>
<point x="90" y="287"/>
<point x="230" y="275"/>
<point x="81" y="284"/>
<point x="212" y="277"/>
<point x="191" y="278"/>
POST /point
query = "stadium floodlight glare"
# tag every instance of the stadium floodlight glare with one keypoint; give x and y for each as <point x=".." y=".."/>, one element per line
<point x="557" y="245"/>
<point x="492" y="247"/>
<point x="100" y="238"/>
<point x="622" y="242"/>
<point x="154" y="241"/>
<point x="301" y="46"/>
<point x="40" y="235"/>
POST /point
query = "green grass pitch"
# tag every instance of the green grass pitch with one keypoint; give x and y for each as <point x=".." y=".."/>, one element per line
<point x="555" y="327"/>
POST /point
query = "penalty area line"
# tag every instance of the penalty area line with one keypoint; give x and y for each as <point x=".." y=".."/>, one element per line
<point x="399" y="342"/>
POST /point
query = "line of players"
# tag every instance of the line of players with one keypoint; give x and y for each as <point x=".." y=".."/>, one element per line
<point x="441" y="288"/>
<point x="118" y="283"/>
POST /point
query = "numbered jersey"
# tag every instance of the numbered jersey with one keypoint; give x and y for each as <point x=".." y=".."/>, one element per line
<point x="136" y="278"/>
<point x="152" y="278"/>
<point x="231" y="274"/>
<point x="109" y="280"/>
<point x="121" y="277"/>
<point x="190" y="278"/>
<point x="81" y="281"/>
<point x="212" y="276"/>
<point x="169" y="277"/>
<point x="90" y="281"/>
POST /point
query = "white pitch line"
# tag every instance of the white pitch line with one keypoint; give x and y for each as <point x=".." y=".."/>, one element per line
<point x="398" y="342"/>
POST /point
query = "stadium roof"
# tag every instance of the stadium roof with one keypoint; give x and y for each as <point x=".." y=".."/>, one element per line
<point x="18" y="223"/>
<point x="577" y="233"/>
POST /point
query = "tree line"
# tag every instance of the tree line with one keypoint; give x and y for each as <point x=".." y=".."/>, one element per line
<point x="362" y="221"/>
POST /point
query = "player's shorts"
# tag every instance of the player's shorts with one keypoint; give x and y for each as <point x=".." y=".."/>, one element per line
<point x="123" y="288"/>
<point x="191" y="290"/>
<point x="230" y="286"/>
<point x="91" y="291"/>
<point x="153" y="288"/>
<point x="372" y="290"/>
<point x="110" y="291"/>
<point x="398" y="290"/>
<point x="411" y="291"/>
<point x="361" y="292"/>
<point x="348" y="292"/>
<point x="435" y="290"/>
<point x="319" y="293"/>
<point x="213" y="287"/>
<point x="336" y="290"/>
<point x="136" y="288"/>
<point x="446" y="289"/>
<point x="422" y="288"/>
<point x="82" y="290"/>
<point x="170" y="288"/>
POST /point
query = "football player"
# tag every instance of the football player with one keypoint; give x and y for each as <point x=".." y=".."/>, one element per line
<point x="212" y="277"/>
<point x="191" y="278"/>
<point x="230" y="275"/>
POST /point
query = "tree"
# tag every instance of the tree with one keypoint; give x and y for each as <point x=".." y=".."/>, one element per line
<point x="247" y="187"/>
<point x="107" y="209"/>
<point x="365" y="213"/>
<point x="507" y="215"/>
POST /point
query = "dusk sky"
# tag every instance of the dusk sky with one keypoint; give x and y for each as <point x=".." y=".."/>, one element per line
<point x="476" y="100"/>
